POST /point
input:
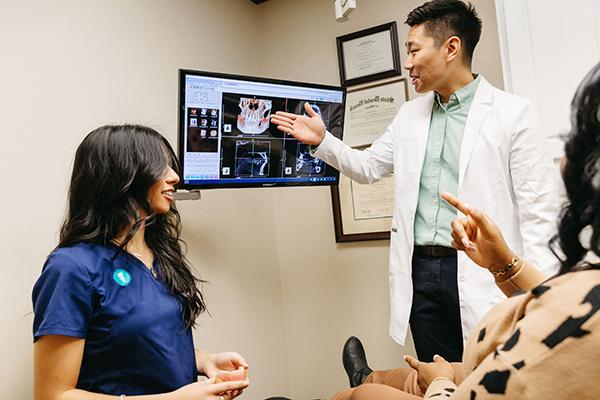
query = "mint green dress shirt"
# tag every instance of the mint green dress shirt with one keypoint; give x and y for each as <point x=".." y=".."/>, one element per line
<point x="440" y="167"/>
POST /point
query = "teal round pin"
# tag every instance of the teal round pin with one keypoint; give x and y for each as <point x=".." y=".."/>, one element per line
<point x="122" y="277"/>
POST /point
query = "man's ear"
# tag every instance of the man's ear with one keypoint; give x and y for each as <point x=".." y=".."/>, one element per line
<point x="453" y="48"/>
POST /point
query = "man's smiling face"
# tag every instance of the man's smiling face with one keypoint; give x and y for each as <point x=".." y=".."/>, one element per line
<point x="425" y="62"/>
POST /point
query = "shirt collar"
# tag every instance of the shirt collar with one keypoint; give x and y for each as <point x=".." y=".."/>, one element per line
<point x="462" y="96"/>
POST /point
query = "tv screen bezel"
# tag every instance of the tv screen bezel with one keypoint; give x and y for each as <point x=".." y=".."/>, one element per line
<point x="232" y="184"/>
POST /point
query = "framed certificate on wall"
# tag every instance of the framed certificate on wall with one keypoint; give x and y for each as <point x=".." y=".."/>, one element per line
<point x="362" y="212"/>
<point x="370" y="109"/>
<point x="369" y="55"/>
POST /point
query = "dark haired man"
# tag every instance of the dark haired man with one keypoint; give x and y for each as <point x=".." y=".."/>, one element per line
<point x="465" y="137"/>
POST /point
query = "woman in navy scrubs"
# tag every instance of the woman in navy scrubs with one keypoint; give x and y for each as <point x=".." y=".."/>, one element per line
<point x="116" y="300"/>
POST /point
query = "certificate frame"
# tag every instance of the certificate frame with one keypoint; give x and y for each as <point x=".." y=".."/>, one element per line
<point x="368" y="55"/>
<point x="370" y="108"/>
<point x="348" y="229"/>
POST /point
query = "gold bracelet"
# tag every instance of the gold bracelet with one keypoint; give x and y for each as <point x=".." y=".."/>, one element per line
<point x="507" y="268"/>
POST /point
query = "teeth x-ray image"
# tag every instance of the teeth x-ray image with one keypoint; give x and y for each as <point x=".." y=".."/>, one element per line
<point x="252" y="164"/>
<point x="307" y="164"/>
<point x="253" y="118"/>
<point x="252" y="158"/>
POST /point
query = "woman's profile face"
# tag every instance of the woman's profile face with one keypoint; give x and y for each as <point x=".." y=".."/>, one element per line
<point x="160" y="195"/>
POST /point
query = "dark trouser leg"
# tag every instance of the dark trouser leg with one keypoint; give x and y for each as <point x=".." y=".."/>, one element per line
<point x="435" y="314"/>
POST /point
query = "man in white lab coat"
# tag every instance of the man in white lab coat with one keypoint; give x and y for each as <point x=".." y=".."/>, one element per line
<point x="463" y="136"/>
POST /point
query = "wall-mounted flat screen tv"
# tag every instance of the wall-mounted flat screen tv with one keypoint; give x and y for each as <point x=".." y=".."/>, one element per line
<point x="226" y="138"/>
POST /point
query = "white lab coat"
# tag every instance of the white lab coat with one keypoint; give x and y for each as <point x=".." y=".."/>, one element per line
<point x="504" y="170"/>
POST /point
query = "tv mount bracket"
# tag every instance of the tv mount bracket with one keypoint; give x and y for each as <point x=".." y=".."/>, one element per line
<point x="186" y="195"/>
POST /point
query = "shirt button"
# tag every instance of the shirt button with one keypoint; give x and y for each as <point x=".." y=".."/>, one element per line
<point x="462" y="278"/>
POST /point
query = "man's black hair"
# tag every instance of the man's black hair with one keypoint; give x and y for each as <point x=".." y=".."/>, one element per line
<point x="445" y="18"/>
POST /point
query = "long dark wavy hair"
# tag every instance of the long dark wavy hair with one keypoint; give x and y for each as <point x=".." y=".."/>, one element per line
<point x="581" y="174"/>
<point x="114" y="168"/>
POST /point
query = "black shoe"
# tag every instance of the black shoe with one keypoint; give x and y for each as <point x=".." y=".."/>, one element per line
<point x="355" y="361"/>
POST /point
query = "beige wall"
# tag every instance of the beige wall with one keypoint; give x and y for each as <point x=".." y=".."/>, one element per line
<point x="281" y="291"/>
<point x="68" y="66"/>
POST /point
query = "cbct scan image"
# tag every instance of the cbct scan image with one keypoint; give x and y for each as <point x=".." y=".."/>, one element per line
<point x="252" y="147"/>
<point x="254" y="115"/>
<point x="299" y="161"/>
<point x="248" y="157"/>
<point x="252" y="158"/>
<point x="307" y="165"/>
<point x="245" y="114"/>
<point x="329" y="112"/>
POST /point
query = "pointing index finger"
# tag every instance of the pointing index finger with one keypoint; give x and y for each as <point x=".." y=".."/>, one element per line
<point x="456" y="203"/>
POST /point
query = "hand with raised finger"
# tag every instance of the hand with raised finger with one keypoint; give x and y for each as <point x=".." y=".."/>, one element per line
<point x="309" y="129"/>
<point x="478" y="236"/>
<point x="428" y="371"/>
<point x="209" y="390"/>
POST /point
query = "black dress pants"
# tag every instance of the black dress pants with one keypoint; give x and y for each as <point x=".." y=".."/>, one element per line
<point x="435" y="314"/>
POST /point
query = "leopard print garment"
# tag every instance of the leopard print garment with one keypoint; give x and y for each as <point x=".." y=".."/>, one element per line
<point x="544" y="344"/>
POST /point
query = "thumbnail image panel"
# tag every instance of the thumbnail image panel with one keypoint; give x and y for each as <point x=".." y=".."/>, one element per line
<point x="203" y="130"/>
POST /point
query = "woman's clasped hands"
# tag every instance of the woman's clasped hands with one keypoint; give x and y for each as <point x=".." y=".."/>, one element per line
<point x="227" y="378"/>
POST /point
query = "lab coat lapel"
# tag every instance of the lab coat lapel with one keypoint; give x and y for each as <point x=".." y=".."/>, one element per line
<point x="422" y="119"/>
<point x="480" y="108"/>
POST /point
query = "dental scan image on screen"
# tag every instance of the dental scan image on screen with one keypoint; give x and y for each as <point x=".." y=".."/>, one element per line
<point x="227" y="139"/>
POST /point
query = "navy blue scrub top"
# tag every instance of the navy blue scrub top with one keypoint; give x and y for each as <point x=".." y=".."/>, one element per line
<point x="135" y="340"/>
